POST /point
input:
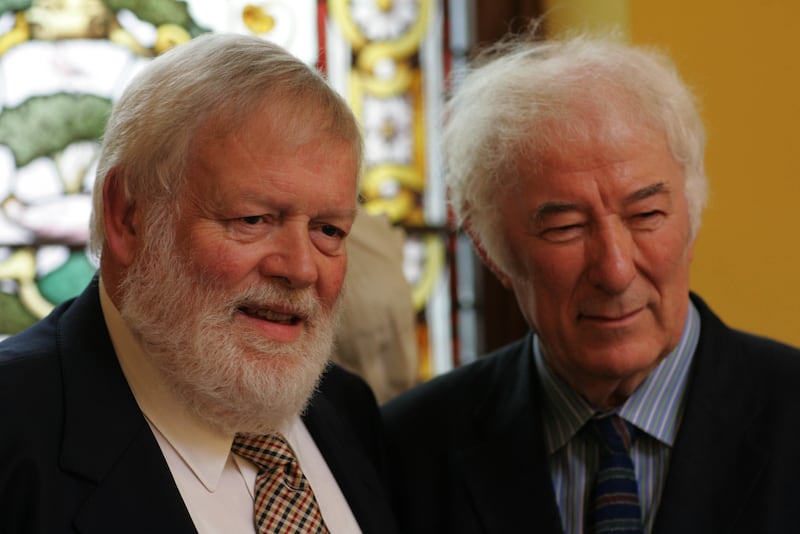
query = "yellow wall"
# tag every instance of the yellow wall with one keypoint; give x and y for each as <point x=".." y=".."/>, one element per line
<point x="564" y="15"/>
<point x="743" y="61"/>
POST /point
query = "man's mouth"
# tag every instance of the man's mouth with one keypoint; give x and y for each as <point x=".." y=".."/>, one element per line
<point x="266" y="314"/>
<point x="612" y="317"/>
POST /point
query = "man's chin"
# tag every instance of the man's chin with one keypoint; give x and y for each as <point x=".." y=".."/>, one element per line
<point x="261" y="394"/>
<point x="267" y="414"/>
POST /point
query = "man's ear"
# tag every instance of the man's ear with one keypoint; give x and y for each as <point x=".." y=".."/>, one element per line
<point x="499" y="273"/>
<point x="120" y="218"/>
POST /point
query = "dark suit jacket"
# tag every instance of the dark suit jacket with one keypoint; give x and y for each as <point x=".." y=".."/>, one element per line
<point x="468" y="454"/>
<point x="76" y="454"/>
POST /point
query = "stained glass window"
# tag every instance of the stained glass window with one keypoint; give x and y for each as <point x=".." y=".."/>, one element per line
<point x="64" y="62"/>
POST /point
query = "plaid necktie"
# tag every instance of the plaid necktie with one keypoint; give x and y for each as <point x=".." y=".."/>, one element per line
<point x="615" y="499"/>
<point x="284" y="502"/>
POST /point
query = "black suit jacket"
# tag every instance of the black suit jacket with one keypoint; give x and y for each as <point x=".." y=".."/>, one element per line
<point x="76" y="454"/>
<point x="468" y="453"/>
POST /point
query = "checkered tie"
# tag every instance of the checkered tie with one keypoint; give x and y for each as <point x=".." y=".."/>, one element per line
<point x="284" y="502"/>
<point x="615" y="500"/>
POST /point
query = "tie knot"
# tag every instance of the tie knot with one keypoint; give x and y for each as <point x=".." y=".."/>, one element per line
<point x="270" y="452"/>
<point x="614" y="433"/>
<point x="283" y="499"/>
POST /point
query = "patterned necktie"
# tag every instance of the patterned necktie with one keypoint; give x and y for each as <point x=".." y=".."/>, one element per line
<point x="615" y="499"/>
<point x="284" y="502"/>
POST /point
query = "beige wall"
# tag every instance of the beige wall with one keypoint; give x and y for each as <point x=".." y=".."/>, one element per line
<point x="743" y="61"/>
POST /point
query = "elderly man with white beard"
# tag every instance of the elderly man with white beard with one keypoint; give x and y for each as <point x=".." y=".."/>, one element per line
<point x="187" y="389"/>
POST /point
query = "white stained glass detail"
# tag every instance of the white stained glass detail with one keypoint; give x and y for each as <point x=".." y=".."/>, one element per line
<point x="388" y="129"/>
<point x="289" y="23"/>
<point x="384" y="20"/>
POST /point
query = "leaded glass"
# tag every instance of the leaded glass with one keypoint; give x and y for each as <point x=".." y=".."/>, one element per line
<point x="64" y="62"/>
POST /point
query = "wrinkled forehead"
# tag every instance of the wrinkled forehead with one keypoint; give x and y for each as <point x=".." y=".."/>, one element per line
<point x="590" y="128"/>
<point x="270" y="136"/>
<point x="294" y="120"/>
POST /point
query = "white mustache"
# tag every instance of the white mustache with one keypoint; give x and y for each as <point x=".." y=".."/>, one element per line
<point x="302" y="303"/>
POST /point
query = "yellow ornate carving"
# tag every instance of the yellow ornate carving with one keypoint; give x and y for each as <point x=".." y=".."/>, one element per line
<point x="405" y="46"/>
<point x="20" y="33"/>
<point x="21" y="266"/>
<point x="385" y="88"/>
<point x="397" y="208"/>
<point x="402" y="174"/>
<point x="169" y="36"/>
<point x="257" y="19"/>
<point x="434" y="265"/>
<point x="384" y="69"/>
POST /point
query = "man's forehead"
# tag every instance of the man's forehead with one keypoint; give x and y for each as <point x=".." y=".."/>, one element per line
<point x="558" y="183"/>
<point x="587" y="145"/>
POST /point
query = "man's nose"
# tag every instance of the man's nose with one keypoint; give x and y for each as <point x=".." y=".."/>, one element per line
<point x="290" y="258"/>
<point x="610" y="257"/>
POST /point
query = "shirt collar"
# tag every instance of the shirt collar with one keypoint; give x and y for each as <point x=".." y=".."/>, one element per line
<point x="204" y="448"/>
<point x="655" y="407"/>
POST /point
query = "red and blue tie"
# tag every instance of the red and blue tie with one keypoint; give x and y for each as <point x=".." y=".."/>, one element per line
<point x="614" y="507"/>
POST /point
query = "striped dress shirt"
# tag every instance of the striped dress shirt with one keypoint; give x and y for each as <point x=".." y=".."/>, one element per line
<point x="655" y="409"/>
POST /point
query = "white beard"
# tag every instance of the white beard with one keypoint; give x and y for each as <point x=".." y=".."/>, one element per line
<point x="231" y="377"/>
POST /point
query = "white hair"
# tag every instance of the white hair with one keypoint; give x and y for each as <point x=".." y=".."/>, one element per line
<point x="522" y="97"/>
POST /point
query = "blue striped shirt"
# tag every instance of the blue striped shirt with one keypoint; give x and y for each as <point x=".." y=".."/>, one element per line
<point x="655" y="408"/>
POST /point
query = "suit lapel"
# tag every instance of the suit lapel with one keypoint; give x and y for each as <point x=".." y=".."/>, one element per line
<point x="717" y="458"/>
<point x="137" y="495"/>
<point x="348" y="463"/>
<point x="506" y="469"/>
<point x="106" y="438"/>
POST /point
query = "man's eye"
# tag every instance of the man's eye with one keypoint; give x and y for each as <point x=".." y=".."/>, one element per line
<point x="563" y="233"/>
<point x="647" y="214"/>
<point x="566" y="228"/>
<point x="647" y="220"/>
<point x="331" y="231"/>
<point x="252" y="219"/>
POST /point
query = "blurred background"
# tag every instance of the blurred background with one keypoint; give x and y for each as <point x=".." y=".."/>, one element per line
<point x="64" y="62"/>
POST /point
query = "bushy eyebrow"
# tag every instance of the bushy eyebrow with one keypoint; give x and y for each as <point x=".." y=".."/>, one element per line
<point x="647" y="192"/>
<point x="269" y="203"/>
<point x="552" y="208"/>
<point x="555" y="207"/>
